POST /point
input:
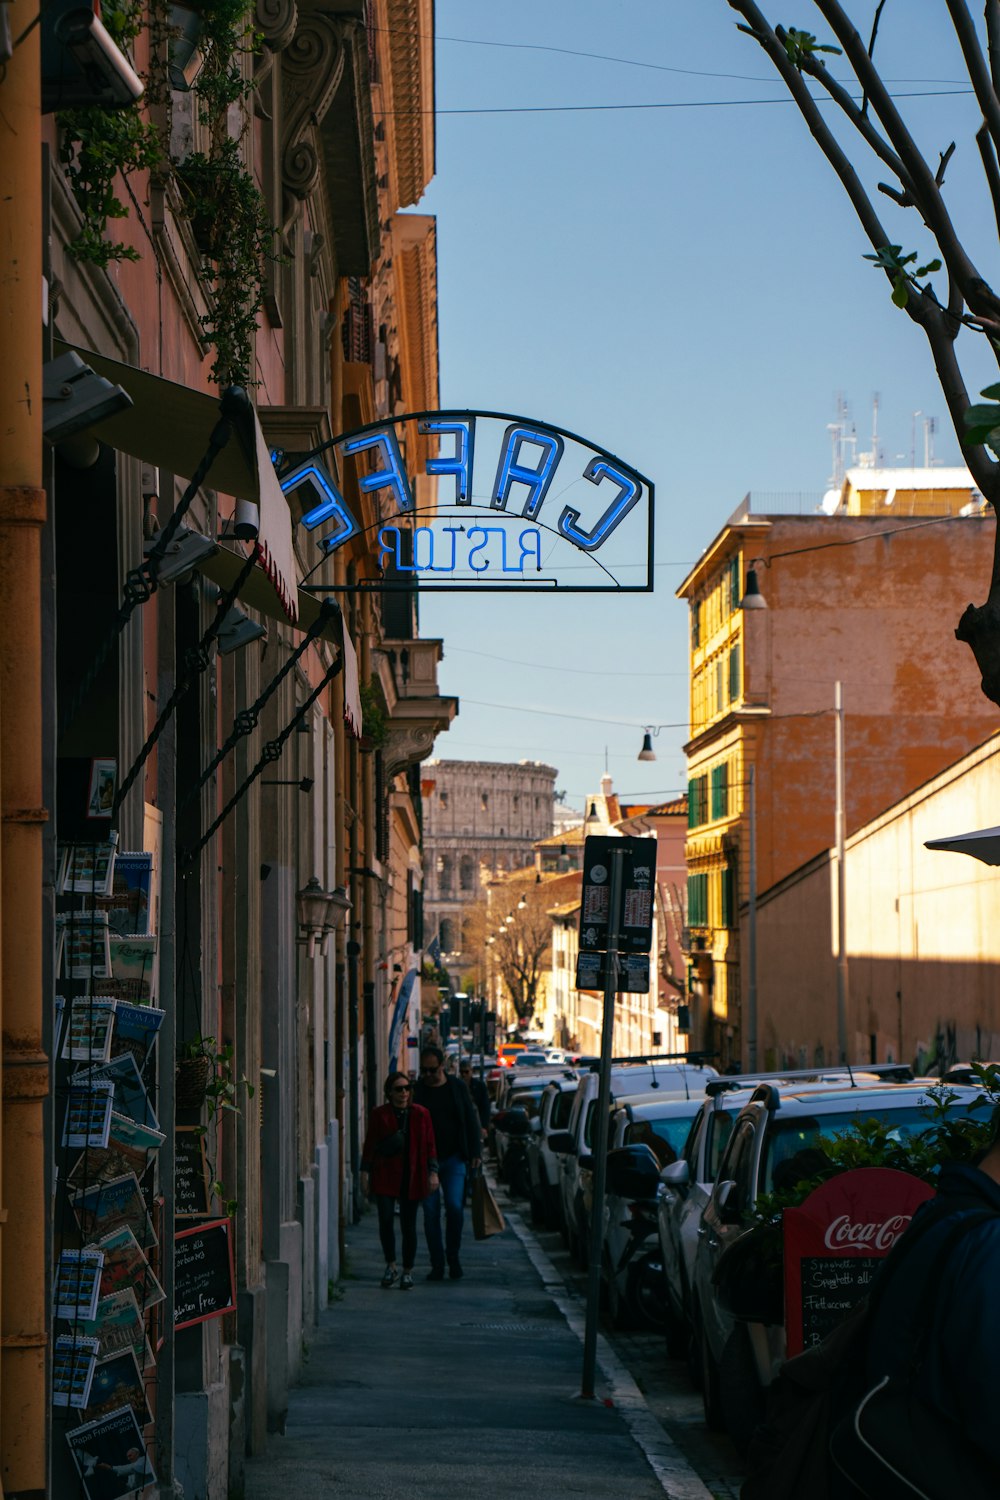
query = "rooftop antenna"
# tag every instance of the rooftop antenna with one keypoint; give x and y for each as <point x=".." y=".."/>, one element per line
<point x="930" y="427"/>
<point x="875" y="453"/>
<point x="913" y="439"/>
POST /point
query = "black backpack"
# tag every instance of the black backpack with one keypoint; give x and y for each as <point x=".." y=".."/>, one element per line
<point x="827" y="1435"/>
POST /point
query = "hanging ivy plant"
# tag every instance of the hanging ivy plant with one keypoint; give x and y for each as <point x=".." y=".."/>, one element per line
<point x="218" y="195"/>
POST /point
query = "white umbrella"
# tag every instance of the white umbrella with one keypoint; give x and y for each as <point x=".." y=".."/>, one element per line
<point x="981" y="843"/>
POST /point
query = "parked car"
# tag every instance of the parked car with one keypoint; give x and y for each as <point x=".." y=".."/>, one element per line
<point x="675" y="1081"/>
<point x="775" y="1127"/>
<point x="688" y="1182"/>
<point x="543" y="1162"/>
<point x="632" y="1263"/>
<point x="508" y="1052"/>
<point x="520" y="1102"/>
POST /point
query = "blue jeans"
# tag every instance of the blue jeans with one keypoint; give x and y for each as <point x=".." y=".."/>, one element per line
<point x="451" y="1172"/>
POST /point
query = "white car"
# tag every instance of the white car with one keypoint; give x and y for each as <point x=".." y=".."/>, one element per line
<point x="675" y="1080"/>
<point x="543" y="1161"/>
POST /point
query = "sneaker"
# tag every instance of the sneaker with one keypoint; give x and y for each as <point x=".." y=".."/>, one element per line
<point x="389" y="1279"/>
<point x="436" y="1273"/>
<point x="455" y="1271"/>
<point x="405" y="1282"/>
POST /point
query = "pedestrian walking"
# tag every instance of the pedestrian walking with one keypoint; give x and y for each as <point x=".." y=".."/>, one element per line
<point x="479" y="1092"/>
<point x="459" y="1147"/>
<point x="399" y="1164"/>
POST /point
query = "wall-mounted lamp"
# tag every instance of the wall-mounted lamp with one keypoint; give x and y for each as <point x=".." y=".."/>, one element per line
<point x="186" y="550"/>
<point x="321" y="912"/>
<point x="304" y="783"/>
<point x="237" y="630"/>
<point x="753" y="598"/>
<point x="74" y="397"/>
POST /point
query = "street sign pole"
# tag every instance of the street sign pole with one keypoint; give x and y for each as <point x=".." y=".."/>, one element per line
<point x="600" y="1151"/>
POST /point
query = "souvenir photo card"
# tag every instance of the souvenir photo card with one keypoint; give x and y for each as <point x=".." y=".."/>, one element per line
<point x="73" y="1359"/>
<point x="118" y="1324"/>
<point x="130" y="1148"/>
<point x="128" y="903"/>
<point x="125" y="1266"/>
<point x="88" y="1114"/>
<point x="131" y="1098"/>
<point x="78" y="1283"/>
<point x="109" y="1205"/>
<point x="135" y="1030"/>
<point x="87" y="869"/>
<point x="88" y="1035"/>
<point x="85" y="950"/>
<point x="118" y="1382"/>
<point x="110" y="1456"/>
<point x="133" y="969"/>
<point x="103" y="781"/>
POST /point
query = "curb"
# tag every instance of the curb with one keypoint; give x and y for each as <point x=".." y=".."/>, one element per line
<point x="673" y="1472"/>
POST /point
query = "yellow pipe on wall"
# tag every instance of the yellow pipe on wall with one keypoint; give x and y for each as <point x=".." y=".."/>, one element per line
<point x="25" y="1074"/>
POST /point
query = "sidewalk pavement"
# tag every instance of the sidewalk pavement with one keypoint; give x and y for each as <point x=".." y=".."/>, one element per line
<point x="463" y="1388"/>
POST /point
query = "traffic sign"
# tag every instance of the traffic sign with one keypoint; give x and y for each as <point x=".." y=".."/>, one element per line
<point x="633" y="972"/>
<point x="635" y="913"/>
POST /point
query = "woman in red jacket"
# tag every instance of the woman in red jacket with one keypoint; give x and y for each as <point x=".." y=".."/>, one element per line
<point x="399" y="1162"/>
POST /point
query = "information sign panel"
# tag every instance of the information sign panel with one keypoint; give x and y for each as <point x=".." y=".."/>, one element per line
<point x="635" y="917"/>
<point x="633" y="972"/>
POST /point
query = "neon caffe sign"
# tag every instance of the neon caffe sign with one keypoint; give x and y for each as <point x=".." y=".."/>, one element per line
<point x="499" y="502"/>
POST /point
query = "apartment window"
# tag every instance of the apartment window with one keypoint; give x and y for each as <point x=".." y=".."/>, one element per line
<point x="697" y="801"/>
<point x="720" y="791"/>
<point x="733" y="584"/>
<point x="484" y="800"/>
<point x="696" y="624"/>
<point x="727" y="905"/>
<point x="697" y="887"/>
<point x="734" y="674"/>
<point x="720" y="701"/>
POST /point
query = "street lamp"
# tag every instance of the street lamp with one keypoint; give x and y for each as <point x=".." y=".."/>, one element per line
<point x="752" y="597"/>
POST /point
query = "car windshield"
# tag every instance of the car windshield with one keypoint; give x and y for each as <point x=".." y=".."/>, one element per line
<point x="561" y="1109"/>
<point x="785" y="1162"/>
<point x="526" y="1099"/>
<point x="665" y="1137"/>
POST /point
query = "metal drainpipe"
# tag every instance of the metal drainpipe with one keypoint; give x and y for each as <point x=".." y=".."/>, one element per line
<point x="23" y="1300"/>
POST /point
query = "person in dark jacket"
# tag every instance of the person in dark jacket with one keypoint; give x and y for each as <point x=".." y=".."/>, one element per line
<point x="478" y="1090"/>
<point x="459" y="1140"/>
<point x="957" y="1375"/>
<point x="399" y="1165"/>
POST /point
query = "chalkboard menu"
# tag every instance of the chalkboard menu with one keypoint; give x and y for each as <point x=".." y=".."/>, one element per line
<point x="830" y="1288"/>
<point x="191" y="1196"/>
<point x="203" y="1273"/>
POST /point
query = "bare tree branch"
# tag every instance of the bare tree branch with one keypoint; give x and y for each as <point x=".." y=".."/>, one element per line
<point x="871" y="47"/>
<point x="987" y="152"/>
<point x="979" y="74"/>
<point x="993" y="41"/>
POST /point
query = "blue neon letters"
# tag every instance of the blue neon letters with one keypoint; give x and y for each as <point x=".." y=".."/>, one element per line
<point x="628" y="494"/>
<point x="459" y="465"/>
<point x="330" y="508"/>
<point x="432" y="553"/>
<point x="393" y="476"/>
<point x="510" y="471"/>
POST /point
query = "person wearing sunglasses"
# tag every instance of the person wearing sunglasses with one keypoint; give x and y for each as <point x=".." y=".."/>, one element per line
<point x="459" y="1141"/>
<point x="399" y="1165"/>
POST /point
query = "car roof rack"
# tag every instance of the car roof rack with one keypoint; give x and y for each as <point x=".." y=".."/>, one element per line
<point x="696" y="1058"/>
<point x="889" y="1072"/>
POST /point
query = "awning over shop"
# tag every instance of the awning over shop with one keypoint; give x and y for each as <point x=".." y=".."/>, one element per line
<point x="981" y="843"/>
<point x="168" y="427"/>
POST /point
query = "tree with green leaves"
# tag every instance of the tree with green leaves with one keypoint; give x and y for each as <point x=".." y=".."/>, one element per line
<point x="943" y="291"/>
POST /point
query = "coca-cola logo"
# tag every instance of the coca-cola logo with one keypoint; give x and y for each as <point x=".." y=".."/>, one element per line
<point x="844" y="1232"/>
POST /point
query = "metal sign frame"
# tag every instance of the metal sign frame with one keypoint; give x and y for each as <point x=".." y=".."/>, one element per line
<point x="603" y="465"/>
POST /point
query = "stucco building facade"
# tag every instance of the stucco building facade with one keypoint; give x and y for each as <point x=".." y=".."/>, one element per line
<point x="848" y="599"/>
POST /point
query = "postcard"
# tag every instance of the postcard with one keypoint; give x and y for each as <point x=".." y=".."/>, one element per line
<point x="73" y="1359"/>
<point x="133" y="965"/>
<point x="128" y="902"/>
<point x="130" y="1148"/>
<point x="118" y="1382"/>
<point x="88" y="1114"/>
<point x="88" y="1036"/>
<point x="131" y="1098"/>
<point x="125" y="1265"/>
<point x="135" y="1030"/>
<point x="57" y="1022"/>
<point x="103" y="781"/>
<point x="109" y="1205"/>
<point x="87" y="869"/>
<point x="85" y="950"/>
<point x="118" y="1325"/>
<point x="78" y="1283"/>
<point x="110" y="1456"/>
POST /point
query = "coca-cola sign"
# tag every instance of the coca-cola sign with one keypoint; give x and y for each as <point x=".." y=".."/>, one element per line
<point x="845" y="1233"/>
<point x="833" y="1242"/>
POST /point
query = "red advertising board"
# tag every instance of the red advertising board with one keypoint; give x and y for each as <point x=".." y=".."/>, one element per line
<point x="833" y="1242"/>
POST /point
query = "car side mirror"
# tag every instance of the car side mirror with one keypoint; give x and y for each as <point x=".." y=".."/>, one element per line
<point x="728" y="1211"/>
<point x="562" y="1143"/>
<point x="676" y="1176"/>
<point x="633" y="1172"/>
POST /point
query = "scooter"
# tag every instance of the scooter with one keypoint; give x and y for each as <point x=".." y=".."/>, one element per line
<point x="644" y="1301"/>
<point x="513" y="1168"/>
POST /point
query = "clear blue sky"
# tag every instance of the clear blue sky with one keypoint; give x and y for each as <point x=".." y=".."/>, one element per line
<point x="682" y="285"/>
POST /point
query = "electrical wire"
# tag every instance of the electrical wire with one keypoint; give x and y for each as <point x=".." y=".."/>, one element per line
<point x="574" y="109"/>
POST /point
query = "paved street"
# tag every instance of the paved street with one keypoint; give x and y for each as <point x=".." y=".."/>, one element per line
<point x="432" y="1391"/>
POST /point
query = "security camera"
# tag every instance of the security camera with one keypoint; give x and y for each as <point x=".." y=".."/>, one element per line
<point x="246" y="522"/>
<point x="81" y="65"/>
<point x="74" y="397"/>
